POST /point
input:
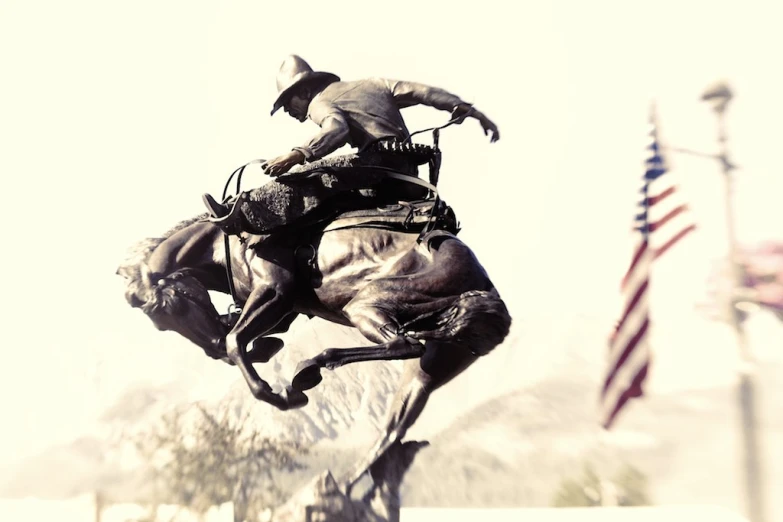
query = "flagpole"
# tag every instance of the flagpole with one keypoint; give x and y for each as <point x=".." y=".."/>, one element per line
<point x="719" y="96"/>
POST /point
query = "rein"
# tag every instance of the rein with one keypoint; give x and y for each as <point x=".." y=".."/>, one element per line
<point x="436" y="130"/>
<point x="233" y="308"/>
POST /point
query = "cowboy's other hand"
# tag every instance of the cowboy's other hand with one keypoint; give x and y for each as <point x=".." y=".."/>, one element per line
<point x="282" y="164"/>
<point x="490" y="129"/>
<point x="465" y="110"/>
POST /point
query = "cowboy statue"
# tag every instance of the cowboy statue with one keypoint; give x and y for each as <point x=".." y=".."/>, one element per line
<point x="358" y="240"/>
<point x="364" y="114"/>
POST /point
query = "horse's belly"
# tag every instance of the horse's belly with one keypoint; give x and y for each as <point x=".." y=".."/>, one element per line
<point x="351" y="260"/>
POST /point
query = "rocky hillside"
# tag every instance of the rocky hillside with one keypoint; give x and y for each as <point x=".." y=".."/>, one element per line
<point x="347" y="409"/>
<point x="505" y="433"/>
<point x="516" y="449"/>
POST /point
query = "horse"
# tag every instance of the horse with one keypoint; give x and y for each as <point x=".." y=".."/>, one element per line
<point x="421" y="298"/>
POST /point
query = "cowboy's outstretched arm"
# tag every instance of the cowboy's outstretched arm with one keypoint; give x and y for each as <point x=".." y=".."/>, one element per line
<point x="333" y="135"/>
<point x="407" y="94"/>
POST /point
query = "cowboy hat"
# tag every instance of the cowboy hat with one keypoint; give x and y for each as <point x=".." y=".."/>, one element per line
<point x="294" y="73"/>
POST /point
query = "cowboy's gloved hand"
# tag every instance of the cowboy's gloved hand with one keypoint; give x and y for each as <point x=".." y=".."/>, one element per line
<point x="282" y="164"/>
<point x="465" y="110"/>
<point x="490" y="129"/>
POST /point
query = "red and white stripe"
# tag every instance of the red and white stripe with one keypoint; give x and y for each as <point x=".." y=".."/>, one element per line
<point x="662" y="222"/>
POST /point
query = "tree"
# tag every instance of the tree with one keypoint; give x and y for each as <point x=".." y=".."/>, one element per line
<point x="200" y="458"/>
<point x="627" y="488"/>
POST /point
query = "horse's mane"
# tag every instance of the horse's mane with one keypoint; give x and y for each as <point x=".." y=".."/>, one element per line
<point x="138" y="253"/>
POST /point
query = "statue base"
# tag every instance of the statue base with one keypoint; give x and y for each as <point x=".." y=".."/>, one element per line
<point x="323" y="500"/>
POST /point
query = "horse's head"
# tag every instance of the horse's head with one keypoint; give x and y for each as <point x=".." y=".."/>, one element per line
<point x="173" y="299"/>
<point x="176" y="301"/>
<point x="181" y="303"/>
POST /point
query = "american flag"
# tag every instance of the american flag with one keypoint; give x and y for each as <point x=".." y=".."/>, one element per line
<point x="663" y="220"/>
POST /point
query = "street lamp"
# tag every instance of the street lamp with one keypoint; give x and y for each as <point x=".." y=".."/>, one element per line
<point x="719" y="95"/>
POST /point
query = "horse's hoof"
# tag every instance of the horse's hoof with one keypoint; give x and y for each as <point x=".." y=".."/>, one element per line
<point x="264" y="348"/>
<point x="308" y="376"/>
<point x="295" y="398"/>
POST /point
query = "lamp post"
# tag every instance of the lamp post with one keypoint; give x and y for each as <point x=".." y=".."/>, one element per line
<point x="719" y="97"/>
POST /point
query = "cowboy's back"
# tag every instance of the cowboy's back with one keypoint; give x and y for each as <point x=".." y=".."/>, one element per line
<point x="364" y="111"/>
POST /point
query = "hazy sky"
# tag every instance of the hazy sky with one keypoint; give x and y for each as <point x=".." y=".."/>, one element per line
<point x="117" y="116"/>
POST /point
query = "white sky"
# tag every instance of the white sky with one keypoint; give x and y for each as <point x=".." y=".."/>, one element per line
<point x="117" y="116"/>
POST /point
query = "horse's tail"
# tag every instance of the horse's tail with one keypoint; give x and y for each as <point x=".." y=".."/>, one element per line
<point x="478" y="319"/>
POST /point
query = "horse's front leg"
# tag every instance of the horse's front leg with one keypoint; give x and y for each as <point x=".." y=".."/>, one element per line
<point x="264" y="348"/>
<point x="266" y="307"/>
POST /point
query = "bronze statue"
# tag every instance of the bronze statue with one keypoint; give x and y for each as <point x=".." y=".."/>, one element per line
<point x="364" y="114"/>
<point x="385" y="261"/>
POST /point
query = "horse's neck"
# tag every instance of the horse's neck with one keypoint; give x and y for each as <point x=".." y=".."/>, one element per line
<point x="191" y="247"/>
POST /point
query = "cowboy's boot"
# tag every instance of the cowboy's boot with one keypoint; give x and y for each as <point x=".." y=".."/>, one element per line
<point x="228" y="219"/>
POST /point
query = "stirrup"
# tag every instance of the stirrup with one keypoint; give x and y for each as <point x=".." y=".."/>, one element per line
<point x="231" y="223"/>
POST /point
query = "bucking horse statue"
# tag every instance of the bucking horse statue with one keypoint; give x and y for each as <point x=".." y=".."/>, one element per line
<point x="395" y="271"/>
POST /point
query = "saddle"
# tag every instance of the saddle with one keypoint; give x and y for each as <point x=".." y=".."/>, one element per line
<point x="380" y="176"/>
<point x="408" y="216"/>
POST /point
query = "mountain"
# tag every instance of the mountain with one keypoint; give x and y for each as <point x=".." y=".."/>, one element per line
<point x="516" y="449"/>
<point x="504" y="433"/>
<point x="346" y="411"/>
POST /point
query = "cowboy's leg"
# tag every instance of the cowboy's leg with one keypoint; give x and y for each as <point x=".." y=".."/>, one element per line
<point x="286" y="201"/>
<point x="229" y="216"/>
<point x="263" y="209"/>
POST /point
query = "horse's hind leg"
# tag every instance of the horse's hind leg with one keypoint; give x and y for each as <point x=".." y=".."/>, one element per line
<point x="377" y="326"/>
<point x="406" y="406"/>
<point x="308" y="373"/>
<point x="440" y="364"/>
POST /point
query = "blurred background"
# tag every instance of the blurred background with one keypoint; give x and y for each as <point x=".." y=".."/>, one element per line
<point x="117" y="117"/>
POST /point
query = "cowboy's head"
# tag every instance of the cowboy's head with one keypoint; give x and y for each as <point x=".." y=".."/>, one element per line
<point x="297" y="84"/>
